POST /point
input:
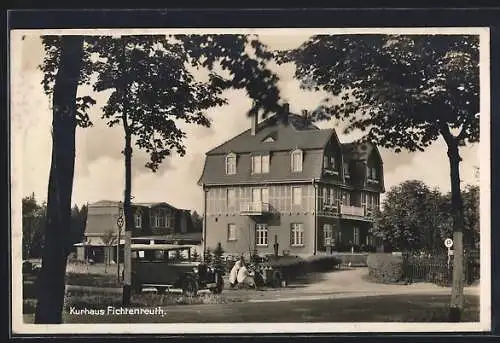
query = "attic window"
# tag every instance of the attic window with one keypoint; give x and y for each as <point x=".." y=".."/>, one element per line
<point x="231" y="164"/>
<point x="346" y="169"/>
<point x="296" y="160"/>
<point x="269" y="139"/>
<point x="138" y="219"/>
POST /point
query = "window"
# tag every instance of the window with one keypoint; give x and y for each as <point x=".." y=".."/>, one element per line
<point x="297" y="235"/>
<point x="332" y="196"/>
<point x="374" y="173"/>
<point x="346" y="169"/>
<point x="328" y="234"/>
<point x="260" y="195"/>
<point x="265" y="164"/>
<point x="260" y="164"/>
<point x="159" y="218"/>
<point x="332" y="162"/>
<point x="368" y="173"/>
<point x="325" y="195"/>
<point x="231" y="164"/>
<point x="231" y="198"/>
<point x="339" y="236"/>
<point x="297" y="161"/>
<point x="329" y="162"/>
<point x="369" y="240"/>
<point x="261" y="235"/>
<point x="138" y="219"/>
<point x="346" y="198"/>
<point x="296" y="195"/>
<point x="231" y="232"/>
<point x="356" y="235"/>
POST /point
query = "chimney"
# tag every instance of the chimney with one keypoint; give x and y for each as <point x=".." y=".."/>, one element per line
<point x="286" y="112"/>
<point x="254" y="119"/>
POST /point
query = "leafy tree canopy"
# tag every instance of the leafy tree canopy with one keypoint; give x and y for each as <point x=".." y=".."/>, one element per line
<point x="404" y="90"/>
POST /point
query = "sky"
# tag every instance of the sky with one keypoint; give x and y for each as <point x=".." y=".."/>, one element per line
<point x="99" y="167"/>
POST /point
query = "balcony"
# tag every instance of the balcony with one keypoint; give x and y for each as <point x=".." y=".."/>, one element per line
<point x="257" y="208"/>
<point x="330" y="171"/>
<point x="355" y="212"/>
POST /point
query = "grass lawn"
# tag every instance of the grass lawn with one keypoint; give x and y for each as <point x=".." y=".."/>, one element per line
<point x="392" y="308"/>
<point x="96" y="280"/>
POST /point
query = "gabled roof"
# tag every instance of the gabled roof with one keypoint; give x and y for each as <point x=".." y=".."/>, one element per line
<point x="298" y="134"/>
<point x="111" y="203"/>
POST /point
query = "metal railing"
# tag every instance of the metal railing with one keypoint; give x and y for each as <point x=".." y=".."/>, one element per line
<point x="352" y="210"/>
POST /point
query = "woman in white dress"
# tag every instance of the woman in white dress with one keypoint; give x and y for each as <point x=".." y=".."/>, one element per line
<point x="233" y="275"/>
<point x="244" y="277"/>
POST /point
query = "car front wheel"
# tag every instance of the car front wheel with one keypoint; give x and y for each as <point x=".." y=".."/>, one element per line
<point x="189" y="287"/>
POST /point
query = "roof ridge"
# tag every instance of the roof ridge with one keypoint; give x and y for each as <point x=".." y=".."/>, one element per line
<point x="240" y="134"/>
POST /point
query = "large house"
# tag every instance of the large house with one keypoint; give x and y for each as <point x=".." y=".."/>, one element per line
<point x="153" y="223"/>
<point x="285" y="186"/>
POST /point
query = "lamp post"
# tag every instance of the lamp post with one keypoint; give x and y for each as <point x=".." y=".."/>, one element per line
<point x="119" y="223"/>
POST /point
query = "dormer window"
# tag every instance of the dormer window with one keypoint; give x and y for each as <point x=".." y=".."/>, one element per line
<point x="329" y="164"/>
<point x="346" y="169"/>
<point x="269" y="139"/>
<point x="296" y="158"/>
<point x="231" y="164"/>
<point x="371" y="173"/>
<point x="138" y="219"/>
<point x="260" y="164"/>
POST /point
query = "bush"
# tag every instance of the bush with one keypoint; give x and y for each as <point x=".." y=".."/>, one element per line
<point x="385" y="268"/>
<point x="322" y="263"/>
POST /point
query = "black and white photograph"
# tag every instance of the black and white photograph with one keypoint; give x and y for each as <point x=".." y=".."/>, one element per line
<point x="250" y="180"/>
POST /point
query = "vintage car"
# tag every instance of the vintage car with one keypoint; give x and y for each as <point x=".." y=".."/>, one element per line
<point x="165" y="266"/>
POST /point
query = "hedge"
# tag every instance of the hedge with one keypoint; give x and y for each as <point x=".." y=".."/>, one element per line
<point x="385" y="268"/>
<point x="355" y="260"/>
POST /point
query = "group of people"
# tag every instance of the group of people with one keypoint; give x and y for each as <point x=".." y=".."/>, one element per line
<point x="240" y="275"/>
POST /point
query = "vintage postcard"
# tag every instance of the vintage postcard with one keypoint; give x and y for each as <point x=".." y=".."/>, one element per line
<point x="250" y="180"/>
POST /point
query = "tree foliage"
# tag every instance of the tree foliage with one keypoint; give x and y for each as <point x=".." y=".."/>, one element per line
<point x="414" y="217"/>
<point x="197" y="221"/>
<point x="405" y="91"/>
<point x="33" y="223"/>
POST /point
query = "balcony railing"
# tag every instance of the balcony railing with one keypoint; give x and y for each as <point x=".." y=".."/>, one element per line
<point x="354" y="211"/>
<point x="254" y="208"/>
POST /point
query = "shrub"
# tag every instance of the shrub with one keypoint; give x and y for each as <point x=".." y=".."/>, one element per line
<point x="322" y="263"/>
<point x="385" y="268"/>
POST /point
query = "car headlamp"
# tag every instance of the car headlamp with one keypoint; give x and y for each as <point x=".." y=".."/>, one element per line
<point x="195" y="269"/>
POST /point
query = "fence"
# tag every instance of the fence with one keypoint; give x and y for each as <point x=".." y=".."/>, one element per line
<point x="418" y="267"/>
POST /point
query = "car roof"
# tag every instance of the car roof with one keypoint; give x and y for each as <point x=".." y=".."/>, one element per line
<point x="159" y="247"/>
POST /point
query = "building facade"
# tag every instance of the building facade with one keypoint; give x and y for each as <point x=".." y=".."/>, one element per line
<point x="153" y="223"/>
<point x="288" y="187"/>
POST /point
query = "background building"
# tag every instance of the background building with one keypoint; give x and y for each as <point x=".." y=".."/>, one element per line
<point x="153" y="223"/>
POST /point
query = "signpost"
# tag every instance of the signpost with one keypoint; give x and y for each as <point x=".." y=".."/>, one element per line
<point x="448" y="243"/>
<point x="119" y="223"/>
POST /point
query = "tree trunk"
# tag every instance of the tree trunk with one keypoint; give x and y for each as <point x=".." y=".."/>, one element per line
<point x="457" y="293"/>
<point x="51" y="281"/>
<point x="127" y="211"/>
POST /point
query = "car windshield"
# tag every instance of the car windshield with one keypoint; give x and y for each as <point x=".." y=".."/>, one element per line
<point x="162" y="255"/>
